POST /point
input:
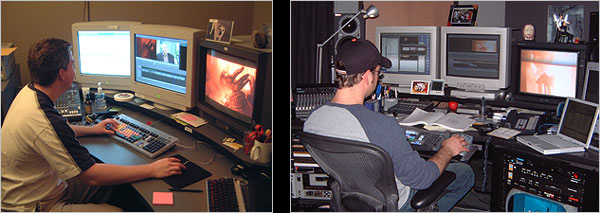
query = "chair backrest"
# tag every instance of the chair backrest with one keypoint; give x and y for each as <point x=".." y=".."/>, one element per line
<point x="361" y="174"/>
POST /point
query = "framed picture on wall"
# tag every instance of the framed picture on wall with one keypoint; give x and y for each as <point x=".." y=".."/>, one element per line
<point x="462" y="15"/>
<point x="219" y="30"/>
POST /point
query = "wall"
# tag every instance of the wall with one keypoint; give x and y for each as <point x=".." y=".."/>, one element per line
<point x="489" y="13"/>
<point x="536" y="12"/>
<point x="24" y="23"/>
<point x="407" y="13"/>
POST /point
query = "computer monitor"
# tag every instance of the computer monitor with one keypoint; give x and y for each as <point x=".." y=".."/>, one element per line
<point x="101" y="51"/>
<point x="590" y="92"/>
<point x="164" y="64"/>
<point x="413" y="51"/>
<point x="475" y="59"/>
<point x="233" y="88"/>
<point x="547" y="73"/>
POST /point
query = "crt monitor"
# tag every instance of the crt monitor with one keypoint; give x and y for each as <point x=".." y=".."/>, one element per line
<point x="475" y="58"/>
<point x="413" y="52"/>
<point x="101" y="51"/>
<point x="164" y="65"/>
<point x="233" y="83"/>
<point x="546" y="73"/>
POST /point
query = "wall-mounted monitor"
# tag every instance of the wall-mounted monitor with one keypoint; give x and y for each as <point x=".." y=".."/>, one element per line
<point x="413" y="51"/>
<point x="475" y="58"/>
<point x="164" y="64"/>
<point x="101" y="51"/>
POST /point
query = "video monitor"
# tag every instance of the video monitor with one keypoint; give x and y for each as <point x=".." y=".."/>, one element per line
<point x="164" y="65"/>
<point x="235" y="91"/>
<point x="475" y="58"/>
<point x="413" y="52"/>
<point x="161" y="61"/>
<point x="547" y="72"/>
<point x="230" y="83"/>
<point x="101" y="51"/>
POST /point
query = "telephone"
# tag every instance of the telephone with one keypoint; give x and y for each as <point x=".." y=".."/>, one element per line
<point x="527" y="123"/>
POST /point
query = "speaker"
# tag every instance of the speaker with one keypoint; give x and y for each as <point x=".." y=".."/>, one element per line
<point x="355" y="29"/>
<point x="343" y="12"/>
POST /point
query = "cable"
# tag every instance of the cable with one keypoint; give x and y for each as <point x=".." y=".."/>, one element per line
<point x="212" y="158"/>
<point x="485" y="162"/>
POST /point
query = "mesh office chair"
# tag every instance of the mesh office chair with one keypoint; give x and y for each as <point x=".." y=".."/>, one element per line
<point x="361" y="176"/>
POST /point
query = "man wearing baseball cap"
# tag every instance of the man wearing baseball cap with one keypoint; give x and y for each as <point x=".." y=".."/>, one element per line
<point x="358" y="65"/>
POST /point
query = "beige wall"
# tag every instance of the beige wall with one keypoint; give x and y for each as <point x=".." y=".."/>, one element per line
<point x="407" y="13"/>
<point x="24" y="23"/>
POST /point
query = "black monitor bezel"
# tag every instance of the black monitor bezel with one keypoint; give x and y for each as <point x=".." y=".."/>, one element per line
<point x="536" y="99"/>
<point x="223" y="117"/>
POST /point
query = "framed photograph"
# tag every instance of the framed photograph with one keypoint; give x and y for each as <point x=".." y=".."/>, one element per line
<point x="419" y="87"/>
<point x="219" y="30"/>
<point x="462" y="15"/>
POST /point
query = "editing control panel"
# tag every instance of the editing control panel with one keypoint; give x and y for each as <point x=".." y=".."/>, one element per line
<point x="551" y="179"/>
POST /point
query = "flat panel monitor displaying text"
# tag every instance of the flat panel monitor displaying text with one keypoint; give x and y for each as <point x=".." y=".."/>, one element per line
<point x="413" y="51"/>
<point x="101" y="51"/>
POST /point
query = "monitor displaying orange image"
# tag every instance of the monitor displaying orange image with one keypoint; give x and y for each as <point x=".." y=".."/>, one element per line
<point x="547" y="72"/>
<point x="230" y="84"/>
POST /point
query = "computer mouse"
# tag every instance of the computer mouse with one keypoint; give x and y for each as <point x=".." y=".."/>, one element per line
<point x="238" y="169"/>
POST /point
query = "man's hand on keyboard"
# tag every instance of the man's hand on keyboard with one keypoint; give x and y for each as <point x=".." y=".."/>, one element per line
<point x="101" y="128"/>
<point x="455" y="145"/>
<point x="166" y="167"/>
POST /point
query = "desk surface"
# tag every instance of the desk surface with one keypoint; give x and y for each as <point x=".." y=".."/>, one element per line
<point x="109" y="150"/>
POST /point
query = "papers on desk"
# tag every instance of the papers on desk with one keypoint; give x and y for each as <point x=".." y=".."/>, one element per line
<point x="451" y="121"/>
<point x="188" y="118"/>
<point x="505" y="133"/>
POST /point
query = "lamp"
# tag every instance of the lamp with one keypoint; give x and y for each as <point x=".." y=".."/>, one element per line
<point x="369" y="13"/>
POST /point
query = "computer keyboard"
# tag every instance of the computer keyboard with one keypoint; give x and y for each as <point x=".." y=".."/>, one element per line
<point x="224" y="195"/>
<point x="141" y="137"/>
<point x="68" y="104"/>
<point x="432" y="141"/>
<point x="408" y="106"/>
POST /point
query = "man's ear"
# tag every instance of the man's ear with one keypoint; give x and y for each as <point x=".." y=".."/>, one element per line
<point x="61" y="74"/>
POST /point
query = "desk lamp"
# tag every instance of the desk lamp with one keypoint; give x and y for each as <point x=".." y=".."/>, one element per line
<point x="371" y="12"/>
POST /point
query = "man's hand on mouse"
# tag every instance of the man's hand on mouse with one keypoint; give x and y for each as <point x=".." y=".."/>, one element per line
<point x="166" y="167"/>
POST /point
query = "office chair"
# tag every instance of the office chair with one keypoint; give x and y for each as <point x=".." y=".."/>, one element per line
<point x="361" y="176"/>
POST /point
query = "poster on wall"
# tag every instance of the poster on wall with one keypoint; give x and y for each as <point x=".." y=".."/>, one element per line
<point x="565" y="23"/>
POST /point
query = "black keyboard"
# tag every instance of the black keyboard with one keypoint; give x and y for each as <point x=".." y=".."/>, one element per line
<point x="431" y="141"/>
<point x="408" y="106"/>
<point x="141" y="137"/>
<point x="224" y="195"/>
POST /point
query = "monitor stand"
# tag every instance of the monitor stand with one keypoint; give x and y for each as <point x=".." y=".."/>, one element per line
<point x="460" y="93"/>
<point x="163" y="107"/>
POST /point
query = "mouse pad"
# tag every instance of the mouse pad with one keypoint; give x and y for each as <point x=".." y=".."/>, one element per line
<point x="192" y="174"/>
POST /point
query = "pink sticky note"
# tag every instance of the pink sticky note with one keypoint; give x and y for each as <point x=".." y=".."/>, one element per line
<point x="162" y="198"/>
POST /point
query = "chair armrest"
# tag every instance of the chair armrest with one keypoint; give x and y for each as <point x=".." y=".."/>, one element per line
<point x="425" y="197"/>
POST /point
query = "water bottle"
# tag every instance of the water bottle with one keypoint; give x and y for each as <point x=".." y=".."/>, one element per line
<point x="100" y="101"/>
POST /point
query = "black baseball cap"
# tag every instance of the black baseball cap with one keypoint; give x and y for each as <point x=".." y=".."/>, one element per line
<point x="359" y="55"/>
